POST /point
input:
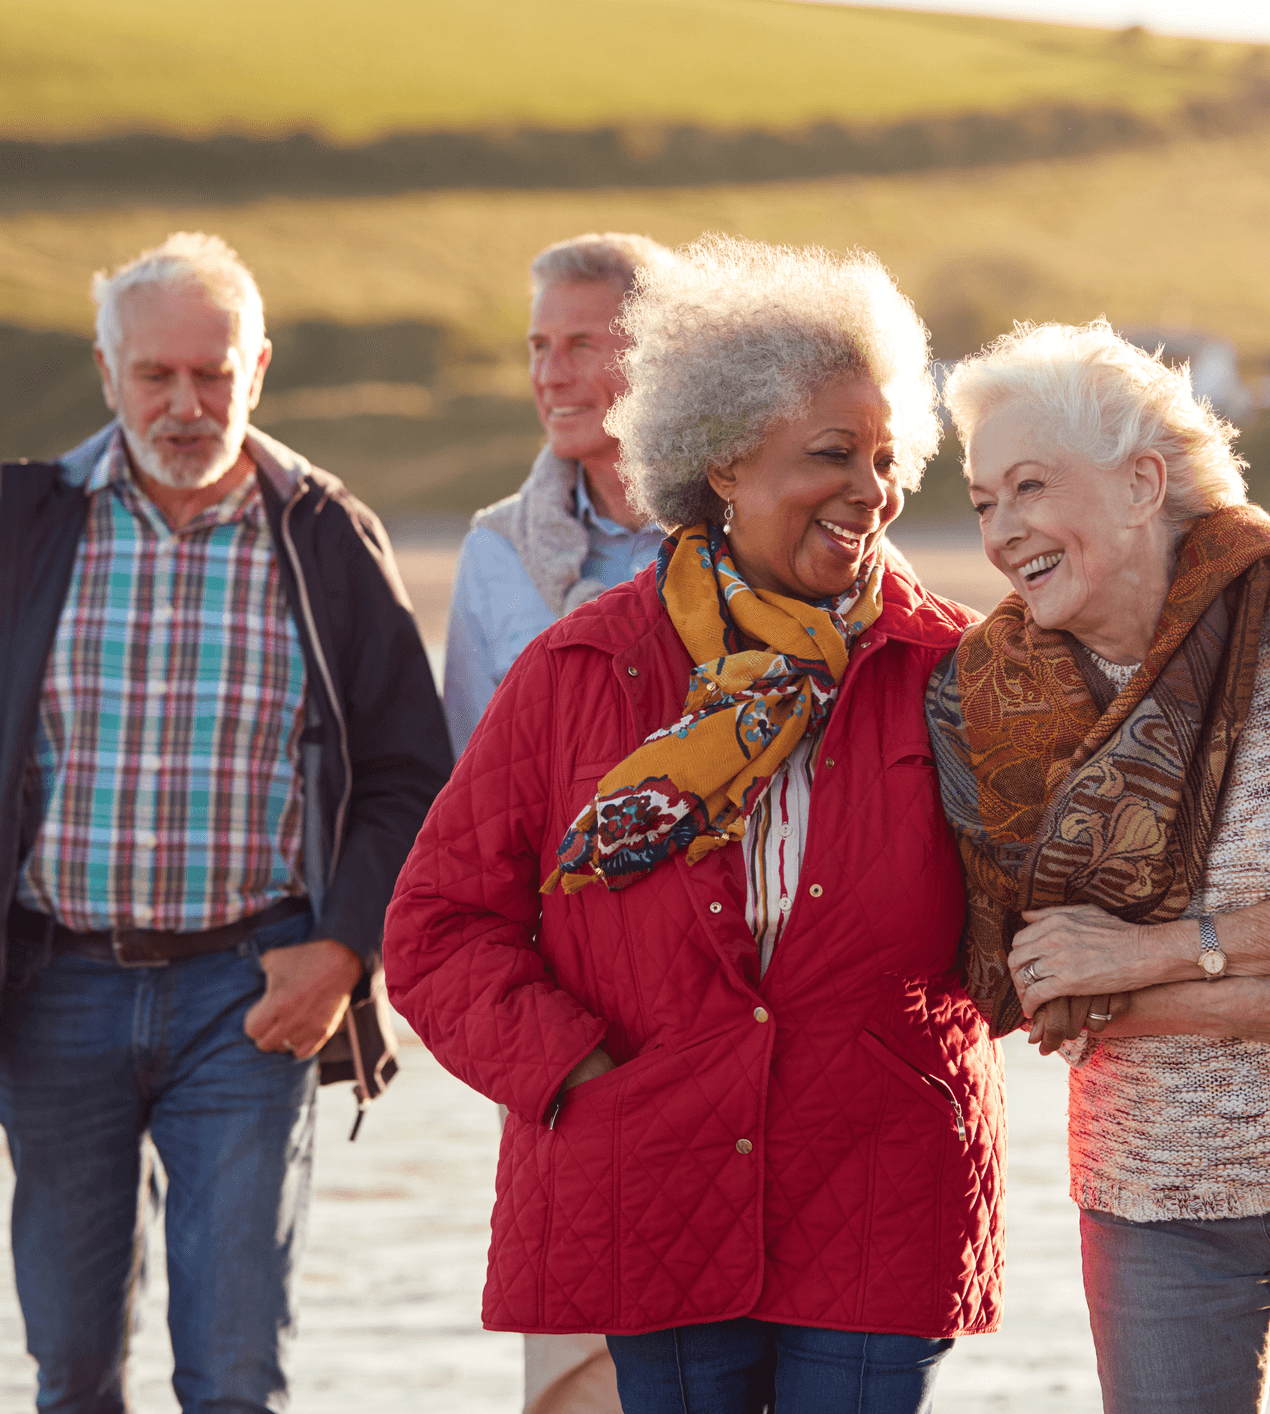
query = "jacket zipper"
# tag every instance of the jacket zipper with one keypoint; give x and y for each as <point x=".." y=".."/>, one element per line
<point x="310" y="628"/>
<point x="958" y="1118"/>
<point x="941" y="1086"/>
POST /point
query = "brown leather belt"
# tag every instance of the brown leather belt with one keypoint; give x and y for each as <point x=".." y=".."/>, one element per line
<point x="147" y="947"/>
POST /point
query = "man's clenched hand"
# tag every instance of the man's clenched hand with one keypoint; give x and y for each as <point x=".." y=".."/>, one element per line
<point x="307" y="988"/>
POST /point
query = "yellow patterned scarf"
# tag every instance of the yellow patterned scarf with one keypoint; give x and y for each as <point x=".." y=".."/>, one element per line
<point x="694" y="783"/>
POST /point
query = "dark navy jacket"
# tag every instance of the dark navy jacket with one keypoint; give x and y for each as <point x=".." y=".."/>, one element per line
<point x="374" y="752"/>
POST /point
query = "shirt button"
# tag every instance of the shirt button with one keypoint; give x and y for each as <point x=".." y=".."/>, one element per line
<point x="828" y="760"/>
<point x="142" y="913"/>
<point x="743" y="1146"/>
<point x="786" y="904"/>
<point x="716" y="908"/>
<point x="146" y="839"/>
<point x="634" y="672"/>
<point x="786" y="831"/>
<point x="815" y="891"/>
<point x="760" y="1013"/>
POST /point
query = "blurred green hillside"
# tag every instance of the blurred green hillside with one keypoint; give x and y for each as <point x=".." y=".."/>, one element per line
<point x="398" y="307"/>
<point x="81" y="68"/>
<point x="427" y="294"/>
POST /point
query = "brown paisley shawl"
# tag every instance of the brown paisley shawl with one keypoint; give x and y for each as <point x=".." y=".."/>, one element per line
<point x="1061" y="792"/>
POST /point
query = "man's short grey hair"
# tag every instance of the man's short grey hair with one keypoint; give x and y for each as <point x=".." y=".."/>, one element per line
<point x="610" y="259"/>
<point x="1092" y="393"/>
<point x="185" y="258"/>
<point x="733" y="336"/>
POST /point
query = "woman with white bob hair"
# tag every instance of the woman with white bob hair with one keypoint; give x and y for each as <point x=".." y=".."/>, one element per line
<point x="689" y="906"/>
<point x="1103" y="742"/>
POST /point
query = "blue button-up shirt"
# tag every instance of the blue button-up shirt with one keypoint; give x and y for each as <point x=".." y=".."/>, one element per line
<point x="495" y="610"/>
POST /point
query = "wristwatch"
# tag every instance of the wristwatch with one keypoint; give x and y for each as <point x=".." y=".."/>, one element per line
<point x="1211" y="958"/>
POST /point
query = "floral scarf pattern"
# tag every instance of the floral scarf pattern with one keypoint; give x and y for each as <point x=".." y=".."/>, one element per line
<point x="1060" y="790"/>
<point x="768" y="671"/>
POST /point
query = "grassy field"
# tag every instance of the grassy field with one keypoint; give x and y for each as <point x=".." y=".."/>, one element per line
<point x="1174" y="236"/>
<point x="412" y="307"/>
<point x="80" y="68"/>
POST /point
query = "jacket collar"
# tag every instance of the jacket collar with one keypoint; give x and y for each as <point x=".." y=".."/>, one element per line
<point x="628" y="614"/>
<point x="280" y="466"/>
<point x="77" y="464"/>
<point x="283" y="468"/>
<point x="911" y="614"/>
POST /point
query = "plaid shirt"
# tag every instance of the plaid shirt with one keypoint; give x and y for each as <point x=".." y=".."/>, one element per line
<point x="170" y="717"/>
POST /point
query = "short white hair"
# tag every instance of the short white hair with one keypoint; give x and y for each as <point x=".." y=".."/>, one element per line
<point x="609" y="259"/>
<point x="185" y="258"/>
<point x="735" y="335"/>
<point x="1095" y="394"/>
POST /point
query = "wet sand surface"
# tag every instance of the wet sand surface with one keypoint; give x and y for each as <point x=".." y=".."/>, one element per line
<point x="391" y="1281"/>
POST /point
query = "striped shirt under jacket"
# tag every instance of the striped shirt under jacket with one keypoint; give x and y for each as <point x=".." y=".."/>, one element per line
<point x="170" y="719"/>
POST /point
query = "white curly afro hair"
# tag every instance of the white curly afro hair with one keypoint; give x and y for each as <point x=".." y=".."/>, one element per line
<point x="734" y="335"/>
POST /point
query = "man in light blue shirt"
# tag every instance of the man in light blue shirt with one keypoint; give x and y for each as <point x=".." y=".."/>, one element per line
<point x="568" y="533"/>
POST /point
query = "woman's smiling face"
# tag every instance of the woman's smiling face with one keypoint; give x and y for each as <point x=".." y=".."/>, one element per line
<point x="1084" y="547"/>
<point x="812" y="502"/>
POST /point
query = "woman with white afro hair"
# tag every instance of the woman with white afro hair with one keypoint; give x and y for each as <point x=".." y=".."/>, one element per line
<point x="1103" y="739"/>
<point x="689" y="907"/>
<point x="737" y="336"/>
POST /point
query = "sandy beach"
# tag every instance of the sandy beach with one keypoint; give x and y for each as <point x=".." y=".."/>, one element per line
<point x="391" y="1283"/>
<point x="390" y="1286"/>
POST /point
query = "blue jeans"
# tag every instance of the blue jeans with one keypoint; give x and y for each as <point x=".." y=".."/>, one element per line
<point x="92" y="1056"/>
<point x="745" y="1366"/>
<point x="1180" y="1313"/>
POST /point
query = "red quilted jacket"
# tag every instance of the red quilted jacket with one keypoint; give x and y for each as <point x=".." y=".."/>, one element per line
<point x="822" y="1146"/>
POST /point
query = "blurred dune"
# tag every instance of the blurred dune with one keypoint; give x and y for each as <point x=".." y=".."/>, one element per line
<point x="428" y="291"/>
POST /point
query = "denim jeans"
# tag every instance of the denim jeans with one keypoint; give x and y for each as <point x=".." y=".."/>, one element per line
<point x="1180" y="1313"/>
<point x="745" y="1366"/>
<point x="92" y="1056"/>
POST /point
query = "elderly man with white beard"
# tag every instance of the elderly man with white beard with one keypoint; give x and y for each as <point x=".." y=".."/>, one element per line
<point x="218" y="738"/>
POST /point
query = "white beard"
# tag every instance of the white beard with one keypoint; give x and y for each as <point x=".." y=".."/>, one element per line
<point x="187" y="471"/>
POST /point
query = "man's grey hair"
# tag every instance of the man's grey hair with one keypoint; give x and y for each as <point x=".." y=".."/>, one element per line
<point x="1090" y="392"/>
<point x="610" y="259"/>
<point x="732" y="336"/>
<point x="185" y="258"/>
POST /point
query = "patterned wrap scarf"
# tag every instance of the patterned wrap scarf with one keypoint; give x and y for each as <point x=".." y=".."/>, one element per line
<point x="1061" y="791"/>
<point x="693" y="785"/>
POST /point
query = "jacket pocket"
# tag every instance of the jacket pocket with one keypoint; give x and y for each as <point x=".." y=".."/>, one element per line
<point x="619" y="1075"/>
<point x="934" y="1091"/>
<point x="915" y="752"/>
<point x="655" y="1210"/>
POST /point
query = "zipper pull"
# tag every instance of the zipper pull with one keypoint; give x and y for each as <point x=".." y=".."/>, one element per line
<point x="361" y="1113"/>
<point x="961" y="1120"/>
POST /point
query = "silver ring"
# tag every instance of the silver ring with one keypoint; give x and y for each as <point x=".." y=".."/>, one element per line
<point x="1098" y="1016"/>
<point x="1028" y="975"/>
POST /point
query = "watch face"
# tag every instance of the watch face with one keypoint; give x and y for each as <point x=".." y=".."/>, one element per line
<point x="1213" y="962"/>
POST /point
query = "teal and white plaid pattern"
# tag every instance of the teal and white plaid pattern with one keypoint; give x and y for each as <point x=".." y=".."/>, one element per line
<point x="170" y="718"/>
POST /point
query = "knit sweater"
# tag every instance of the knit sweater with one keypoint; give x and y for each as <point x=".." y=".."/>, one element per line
<point x="1169" y="1127"/>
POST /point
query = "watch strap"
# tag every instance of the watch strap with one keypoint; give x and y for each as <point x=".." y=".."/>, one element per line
<point x="1212" y="960"/>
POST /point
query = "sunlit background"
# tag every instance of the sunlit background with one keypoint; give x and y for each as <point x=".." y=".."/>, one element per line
<point x="388" y="169"/>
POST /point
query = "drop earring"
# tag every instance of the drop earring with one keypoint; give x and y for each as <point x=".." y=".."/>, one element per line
<point x="727" y="517"/>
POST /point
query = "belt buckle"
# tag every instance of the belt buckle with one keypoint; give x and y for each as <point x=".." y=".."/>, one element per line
<point x="117" y="936"/>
